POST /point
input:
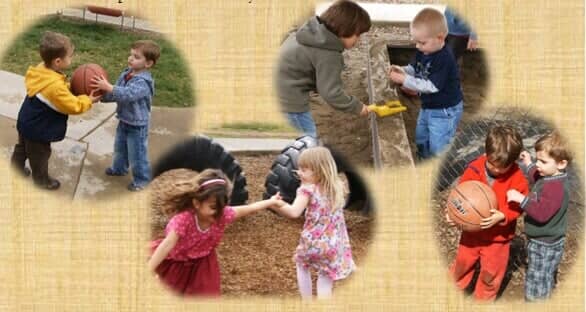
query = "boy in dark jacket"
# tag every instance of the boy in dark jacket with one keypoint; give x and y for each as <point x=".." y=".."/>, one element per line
<point x="311" y="60"/>
<point x="42" y="118"/>
<point x="434" y="76"/>
<point x="546" y="218"/>
<point x="133" y="94"/>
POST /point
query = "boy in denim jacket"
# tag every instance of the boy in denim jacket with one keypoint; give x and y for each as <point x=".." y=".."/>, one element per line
<point x="133" y="94"/>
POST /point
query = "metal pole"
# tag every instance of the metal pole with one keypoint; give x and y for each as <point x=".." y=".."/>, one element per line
<point x="376" y="154"/>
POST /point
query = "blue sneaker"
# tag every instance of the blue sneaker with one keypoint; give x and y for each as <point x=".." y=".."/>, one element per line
<point x="111" y="172"/>
<point x="135" y="188"/>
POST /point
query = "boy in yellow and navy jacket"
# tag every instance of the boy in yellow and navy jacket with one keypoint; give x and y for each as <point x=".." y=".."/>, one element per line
<point x="42" y="118"/>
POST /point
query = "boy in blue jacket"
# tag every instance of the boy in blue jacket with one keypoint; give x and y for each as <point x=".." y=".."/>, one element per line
<point x="42" y="118"/>
<point x="133" y="94"/>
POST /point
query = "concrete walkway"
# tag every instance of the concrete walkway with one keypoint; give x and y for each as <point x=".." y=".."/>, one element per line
<point x="80" y="159"/>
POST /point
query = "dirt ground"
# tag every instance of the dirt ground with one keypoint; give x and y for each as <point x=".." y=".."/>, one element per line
<point x="257" y="250"/>
<point x="349" y="133"/>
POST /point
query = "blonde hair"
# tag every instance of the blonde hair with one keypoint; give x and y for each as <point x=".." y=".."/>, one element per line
<point x="321" y="162"/>
<point x="433" y="20"/>
<point x="555" y="146"/>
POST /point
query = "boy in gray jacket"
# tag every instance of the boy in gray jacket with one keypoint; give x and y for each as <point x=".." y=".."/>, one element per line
<point x="133" y="94"/>
<point x="311" y="60"/>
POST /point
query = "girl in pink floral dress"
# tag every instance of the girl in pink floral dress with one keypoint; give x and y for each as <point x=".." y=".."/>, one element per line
<point x="324" y="245"/>
<point x="186" y="258"/>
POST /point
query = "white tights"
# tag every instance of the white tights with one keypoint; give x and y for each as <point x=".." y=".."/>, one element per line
<point x="324" y="284"/>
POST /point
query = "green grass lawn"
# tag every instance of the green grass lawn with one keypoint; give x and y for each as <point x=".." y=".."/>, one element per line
<point x="107" y="46"/>
<point x="257" y="126"/>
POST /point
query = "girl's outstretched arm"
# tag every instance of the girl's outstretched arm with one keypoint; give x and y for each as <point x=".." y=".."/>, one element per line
<point x="295" y="209"/>
<point x="244" y="210"/>
<point x="163" y="250"/>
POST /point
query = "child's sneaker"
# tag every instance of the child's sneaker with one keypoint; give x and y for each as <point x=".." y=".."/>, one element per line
<point x="51" y="184"/>
<point x="111" y="172"/>
<point x="25" y="172"/>
<point x="135" y="188"/>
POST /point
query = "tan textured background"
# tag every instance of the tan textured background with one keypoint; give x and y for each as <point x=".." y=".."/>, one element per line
<point x="90" y="256"/>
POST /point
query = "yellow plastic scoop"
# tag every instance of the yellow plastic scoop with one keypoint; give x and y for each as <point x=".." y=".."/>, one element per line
<point x="389" y="108"/>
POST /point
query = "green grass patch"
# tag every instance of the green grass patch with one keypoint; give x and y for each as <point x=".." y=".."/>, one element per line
<point x="109" y="47"/>
<point x="257" y="126"/>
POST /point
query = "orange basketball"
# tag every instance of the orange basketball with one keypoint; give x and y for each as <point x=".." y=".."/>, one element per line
<point x="82" y="78"/>
<point x="469" y="203"/>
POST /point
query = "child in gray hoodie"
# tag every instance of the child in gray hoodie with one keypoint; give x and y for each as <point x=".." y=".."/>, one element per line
<point x="311" y="60"/>
<point x="133" y="92"/>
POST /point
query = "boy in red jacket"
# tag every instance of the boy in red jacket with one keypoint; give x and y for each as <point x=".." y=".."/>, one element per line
<point x="490" y="246"/>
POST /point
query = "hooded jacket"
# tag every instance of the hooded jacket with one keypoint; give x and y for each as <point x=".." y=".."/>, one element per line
<point x="133" y="97"/>
<point x="44" y="112"/>
<point x="311" y="60"/>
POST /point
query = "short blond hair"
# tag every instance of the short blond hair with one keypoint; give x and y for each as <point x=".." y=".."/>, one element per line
<point x="433" y="20"/>
<point x="555" y="146"/>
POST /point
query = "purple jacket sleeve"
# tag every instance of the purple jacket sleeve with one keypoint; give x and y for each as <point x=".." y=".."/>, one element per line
<point x="546" y="204"/>
<point x="532" y="174"/>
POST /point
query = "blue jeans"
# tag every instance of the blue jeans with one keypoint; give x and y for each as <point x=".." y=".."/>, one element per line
<point x="303" y="122"/>
<point x="131" y="148"/>
<point x="436" y="128"/>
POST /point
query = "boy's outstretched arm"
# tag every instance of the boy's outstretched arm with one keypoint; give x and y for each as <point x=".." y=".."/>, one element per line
<point x="330" y="86"/>
<point x="241" y="211"/>
<point x="163" y="250"/>
<point x="63" y="101"/>
<point x="133" y="91"/>
<point x="546" y="205"/>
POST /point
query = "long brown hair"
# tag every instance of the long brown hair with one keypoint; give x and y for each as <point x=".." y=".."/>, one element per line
<point x="186" y="185"/>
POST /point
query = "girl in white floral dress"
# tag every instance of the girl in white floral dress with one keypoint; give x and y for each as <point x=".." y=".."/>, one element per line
<point x="324" y="245"/>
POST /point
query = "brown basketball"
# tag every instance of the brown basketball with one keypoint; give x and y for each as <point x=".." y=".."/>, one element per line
<point x="82" y="78"/>
<point x="469" y="203"/>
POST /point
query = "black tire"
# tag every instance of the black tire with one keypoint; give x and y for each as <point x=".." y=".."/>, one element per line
<point x="201" y="153"/>
<point x="281" y="178"/>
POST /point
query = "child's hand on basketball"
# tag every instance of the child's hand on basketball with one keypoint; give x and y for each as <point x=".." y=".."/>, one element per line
<point x="94" y="97"/>
<point x="101" y="83"/>
<point x="515" y="196"/>
<point x="525" y="158"/>
<point x="495" y="217"/>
